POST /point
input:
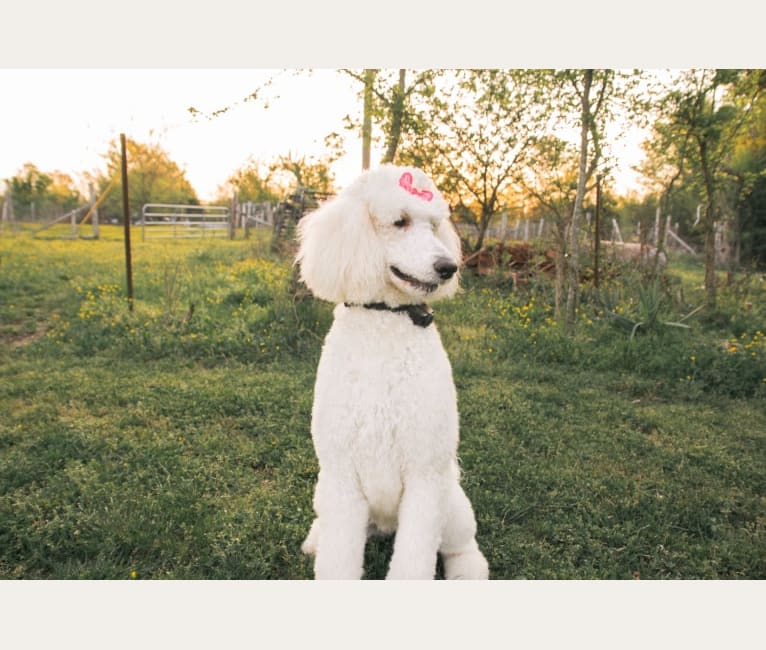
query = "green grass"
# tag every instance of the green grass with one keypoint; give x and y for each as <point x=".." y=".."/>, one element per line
<point x="174" y="442"/>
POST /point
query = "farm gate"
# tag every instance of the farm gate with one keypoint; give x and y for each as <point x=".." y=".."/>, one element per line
<point x="183" y="221"/>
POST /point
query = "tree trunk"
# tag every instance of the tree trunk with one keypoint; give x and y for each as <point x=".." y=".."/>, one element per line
<point x="483" y="226"/>
<point x="560" y="260"/>
<point x="710" y="279"/>
<point x="559" y="232"/>
<point x="397" y="117"/>
<point x="573" y="266"/>
<point x="661" y="231"/>
<point x="369" y="78"/>
<point x="597" y="237"/>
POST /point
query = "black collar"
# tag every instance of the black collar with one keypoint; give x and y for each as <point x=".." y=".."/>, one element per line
<point x="420" y="315"/>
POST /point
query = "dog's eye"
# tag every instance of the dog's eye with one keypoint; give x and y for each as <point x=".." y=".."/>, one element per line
<point x="402" y="222"/>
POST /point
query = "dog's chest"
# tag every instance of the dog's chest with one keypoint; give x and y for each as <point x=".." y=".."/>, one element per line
<point x="384" y="394"/>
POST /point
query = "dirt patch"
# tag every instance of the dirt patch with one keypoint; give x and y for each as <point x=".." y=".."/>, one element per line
<point x="16" y="340"/>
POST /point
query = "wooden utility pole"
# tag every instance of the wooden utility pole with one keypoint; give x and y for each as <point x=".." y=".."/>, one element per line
<point x="126" y="219"/>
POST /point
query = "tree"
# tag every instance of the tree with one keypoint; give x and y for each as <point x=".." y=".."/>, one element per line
<point x="588" y="98"/>
<point x="63" y="192"/>
<point x="588" y="101"/>
<point x="664" y="167"/>
<point x="152" y="178"/>
<point x="38" y="194"/>
<point x="29" y="188"/>
<point x="392" y="104"/>
<point x="253" y="182"/>
<point x="270" y="182"/>
<point x="304" y="172"/>
<point x="473" y="137"/>
<point x="290" y="172"/>
<point x="702" y="117"/>
<point x="397" y="114"/>
<point x="747" y="169"/>
<point x="551" y="181"/>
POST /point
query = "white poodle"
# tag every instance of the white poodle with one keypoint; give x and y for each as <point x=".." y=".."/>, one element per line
<point x="385" y="420"/>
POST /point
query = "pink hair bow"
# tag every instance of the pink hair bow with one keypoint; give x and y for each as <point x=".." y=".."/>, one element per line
<point x="405" y="181"/>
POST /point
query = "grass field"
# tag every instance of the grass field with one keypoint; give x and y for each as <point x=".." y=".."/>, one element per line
<point x="173" y="441"/>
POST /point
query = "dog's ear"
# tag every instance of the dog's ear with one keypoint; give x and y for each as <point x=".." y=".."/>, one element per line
<point x="340" y="257"/>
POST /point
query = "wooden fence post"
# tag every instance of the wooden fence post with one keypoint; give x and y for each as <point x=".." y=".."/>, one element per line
<point x="126" y="219"/>
<point x="94" y="210"/>
<point x="616" y="231"/>
<point x="233" y="216"/>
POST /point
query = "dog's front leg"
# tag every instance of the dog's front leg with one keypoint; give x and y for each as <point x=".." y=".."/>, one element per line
<point x="342" y="518"/>
<point x="418" y="533"/>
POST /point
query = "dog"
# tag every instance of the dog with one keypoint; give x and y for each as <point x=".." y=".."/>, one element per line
<point x="385" y="419"/>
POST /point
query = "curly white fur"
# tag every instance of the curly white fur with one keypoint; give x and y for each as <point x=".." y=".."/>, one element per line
<point x="385" y="419"/>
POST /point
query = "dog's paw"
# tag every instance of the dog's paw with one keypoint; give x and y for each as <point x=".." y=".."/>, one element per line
<point x="471" y="565"/>
<point x="309" y="546"/>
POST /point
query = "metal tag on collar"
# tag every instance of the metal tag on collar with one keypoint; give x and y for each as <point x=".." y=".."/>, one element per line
<point x="420" y="315"/>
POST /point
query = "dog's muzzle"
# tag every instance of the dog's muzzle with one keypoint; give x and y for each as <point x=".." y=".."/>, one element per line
<point x="444" y="268"/>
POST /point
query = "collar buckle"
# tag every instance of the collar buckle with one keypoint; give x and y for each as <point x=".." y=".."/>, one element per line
<point x="420" y="315"/>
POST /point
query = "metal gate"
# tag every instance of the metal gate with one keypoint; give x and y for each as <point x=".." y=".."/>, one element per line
<point x="183" y="221"/>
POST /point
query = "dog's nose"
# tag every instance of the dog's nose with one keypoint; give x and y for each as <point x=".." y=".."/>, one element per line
<point x="445" y="268"/>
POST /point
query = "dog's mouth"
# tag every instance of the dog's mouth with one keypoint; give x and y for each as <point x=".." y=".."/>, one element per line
<point x="425" y="287"/>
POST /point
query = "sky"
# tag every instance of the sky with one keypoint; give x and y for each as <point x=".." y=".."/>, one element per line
<point x="64" y="119"/>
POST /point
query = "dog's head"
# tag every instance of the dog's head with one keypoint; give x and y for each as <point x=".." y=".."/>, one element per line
<point x="386" y="238"/>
